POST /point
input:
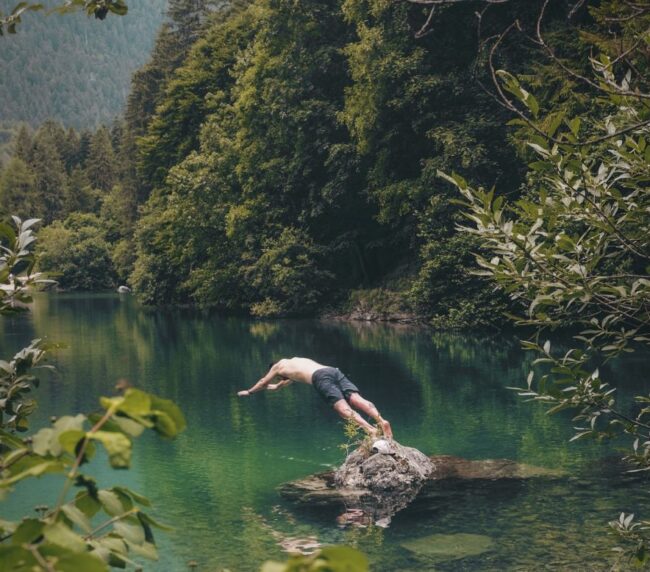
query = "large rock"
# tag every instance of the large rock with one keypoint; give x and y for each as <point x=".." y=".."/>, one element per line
<point x="384" y="466"/>
<point x="388" y="476"/>
<point x="372" y="486"/>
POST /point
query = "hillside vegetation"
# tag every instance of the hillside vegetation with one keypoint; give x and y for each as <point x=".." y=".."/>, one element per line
<point x="280" y="158"/>
<point x="72" y="68"/>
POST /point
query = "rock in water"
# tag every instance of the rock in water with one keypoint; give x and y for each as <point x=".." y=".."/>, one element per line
<point x="384" y="466"/>
<point x="388" y="476"/>
<point x="373" y="485"/>
<point x="443" y="547"/>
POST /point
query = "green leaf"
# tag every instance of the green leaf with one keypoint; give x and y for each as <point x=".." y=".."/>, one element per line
<point x="117" y="445"/>
<point x="558" y="408"/>
<point x="135" y="496"/>
<point x="555" y="122"/>
<point x="574" y="125"/>
<point x="136" y="402"/>
<point x="77" y="516"/>
<point x="69" y="440"/>
<point x="114" y="544"/>
<point x="532" y="104"/>
<point x="58" y="533"/>
<point x="171" y="409"/>
<point x="147" y="519"/>
<point x="111" y="502"/>
<point x="128" y="426"/>
<point x="164" y="425"/>
<point x="46" y="441"/>
<point x="125" y="499"/>
<point x="146" y="550"/>
<point x="538" y="148"/>
<point x="41" y="441"/>
<point x="11" y="440"/>
<point x="30" y="223"/>
<point x="80" y="563"/>
<point x="7" y="232"/>
<point x="344" y="559"/>
<point x="111" y="402"/>
<point x="31" y="467"/>
<point x="130" y="530"/>
<point x="17" y="558"/>
<point x="540" y="166"/>
<point x="28" y="531"/>
<point x="88" y="505"/>
<point x="69" y="423"/>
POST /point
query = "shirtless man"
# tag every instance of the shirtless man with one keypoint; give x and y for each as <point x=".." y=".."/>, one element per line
<point x="330" y="384"/>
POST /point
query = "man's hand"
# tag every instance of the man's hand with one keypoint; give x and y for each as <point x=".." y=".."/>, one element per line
<point x="243" y="393"/>
<point x="282" y="383"/>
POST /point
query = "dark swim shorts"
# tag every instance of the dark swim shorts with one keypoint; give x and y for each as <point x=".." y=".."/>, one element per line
<point x="332" y="385"/>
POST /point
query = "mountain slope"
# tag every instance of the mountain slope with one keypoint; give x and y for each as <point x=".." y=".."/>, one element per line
<point x="72" y="68"/>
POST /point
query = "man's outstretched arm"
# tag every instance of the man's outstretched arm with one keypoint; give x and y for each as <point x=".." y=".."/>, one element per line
<point x="262" y="383"/>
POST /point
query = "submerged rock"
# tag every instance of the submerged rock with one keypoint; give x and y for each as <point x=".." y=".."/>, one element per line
<point x="443" y="547"/>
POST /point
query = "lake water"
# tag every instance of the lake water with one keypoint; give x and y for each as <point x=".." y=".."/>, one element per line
<point x="443" y="393"/>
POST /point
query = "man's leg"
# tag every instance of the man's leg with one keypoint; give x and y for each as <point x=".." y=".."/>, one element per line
<point x="345" y="411"/>
<point x="358" y="402"/>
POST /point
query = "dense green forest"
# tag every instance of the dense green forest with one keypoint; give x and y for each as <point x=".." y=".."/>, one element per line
<point x="72" y="68"/>
<point x="280" y="158"/>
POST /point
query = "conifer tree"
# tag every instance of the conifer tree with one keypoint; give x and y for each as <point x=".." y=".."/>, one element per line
<point x="50" y="178"/>
<point x="17" y="189"/>
<point x="186" y="22"/>
<point x="79" y="194"/>
<point x="23" y="143"/>
<point x="100" y="163"/>
<point x="146" y="83"/>
<point x="71" y="149"/>
<point x="84" y="146"/>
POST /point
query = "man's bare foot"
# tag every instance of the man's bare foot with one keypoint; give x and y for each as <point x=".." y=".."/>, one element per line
<point x="373" y="433"/>
<point x="386" y="428"/>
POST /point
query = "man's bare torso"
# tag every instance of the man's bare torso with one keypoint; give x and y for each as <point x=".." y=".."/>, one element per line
<point x="298" y="369"/>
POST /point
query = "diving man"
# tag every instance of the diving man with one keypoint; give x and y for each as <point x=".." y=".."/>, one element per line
<point x="330" y="384"/>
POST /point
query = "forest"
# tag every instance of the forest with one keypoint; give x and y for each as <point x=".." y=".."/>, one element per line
<point x="73" y="69"/>
<point x="281" y="159"/>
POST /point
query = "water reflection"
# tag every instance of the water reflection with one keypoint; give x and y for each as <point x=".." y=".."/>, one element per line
<point x="444" y="394"/>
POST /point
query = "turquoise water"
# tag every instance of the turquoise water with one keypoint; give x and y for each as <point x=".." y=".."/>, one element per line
<point x="443" y="393"/>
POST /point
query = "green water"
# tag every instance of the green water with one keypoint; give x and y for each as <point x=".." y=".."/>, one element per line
<point x="443" y="393"/>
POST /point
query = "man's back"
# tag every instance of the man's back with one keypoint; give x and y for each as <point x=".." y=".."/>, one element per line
<point x="298" y="368"/>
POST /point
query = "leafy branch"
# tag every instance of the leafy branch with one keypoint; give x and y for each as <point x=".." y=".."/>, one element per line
<point x="575" y="249"/>
<point x="66" y="531"/>
<point x="97" y="8"/>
